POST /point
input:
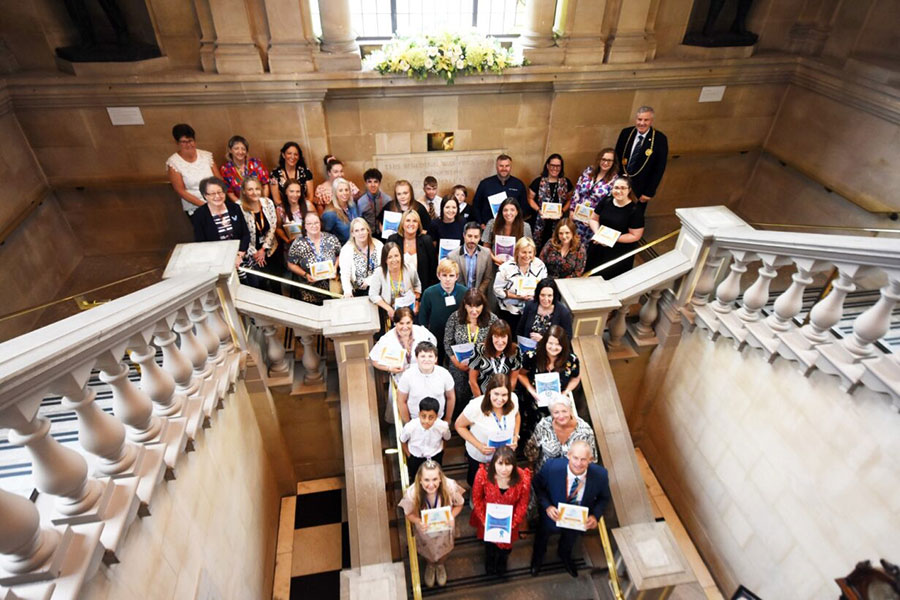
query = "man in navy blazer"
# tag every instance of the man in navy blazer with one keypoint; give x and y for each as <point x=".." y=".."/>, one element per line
<point x="573" y="480"/>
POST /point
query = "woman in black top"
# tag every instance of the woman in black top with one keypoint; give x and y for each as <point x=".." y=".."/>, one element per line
<point x="291" y="167"/>
<point x="620" y="213"/>
<point x="543" y="312"/>
<point x="449" y="225"/>
<point x="220" y="219"/>
<point x="417" y="247"/>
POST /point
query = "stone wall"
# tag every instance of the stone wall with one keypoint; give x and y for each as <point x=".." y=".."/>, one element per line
<point x="213" y="529"/>
<point x="784" y="483"/>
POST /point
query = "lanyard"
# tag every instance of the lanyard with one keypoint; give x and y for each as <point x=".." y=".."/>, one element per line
<point x="437" y="501"/>
<point x="469" y="335"/>
<point x="396" y="287"/>
<point x="500" y="425"/>
<point x="315" y="249"/>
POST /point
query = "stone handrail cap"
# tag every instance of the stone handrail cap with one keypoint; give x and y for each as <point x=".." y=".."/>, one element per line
<point x="704" y="221"/>
<point x="206" y="257"/>
<point x="587" y="294"/>
<point x="652" y="556"/>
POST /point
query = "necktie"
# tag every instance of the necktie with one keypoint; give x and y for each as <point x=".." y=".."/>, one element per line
<point x="636" y="150"/>
<point x="573" y="491"/>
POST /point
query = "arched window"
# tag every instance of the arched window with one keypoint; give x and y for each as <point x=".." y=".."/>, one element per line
<point x="378" y="20"/>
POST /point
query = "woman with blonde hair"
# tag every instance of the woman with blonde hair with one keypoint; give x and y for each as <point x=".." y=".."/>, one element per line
<point x="359" y="259"/>
<point x="516" y="281"/>
<point x="336" y="219"/>
<point x="432" y="489"/>
<point x="419" y="253"/>
<point x="262" y="221"/>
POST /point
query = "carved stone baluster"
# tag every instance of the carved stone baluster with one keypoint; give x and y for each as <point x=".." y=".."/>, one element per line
<point x="756" y="296"/>
<point x="617" y="326"/>
<point x="874" y="322"/>
<point x="130" y="404"/>
<point x="311" y="360"/>
<point x="707" y="281"/>
<point x="175" y="362"/>
<point x="790" y="302"/>
<point x="275" y="351"/>
<point x="649" y="313"/>
<point x="57" y="470"/>
<point x="827" y="312"/>
<point x="24" y="545"/>
<point x="157" y="383"/>
<point x="192" y="348"/>
<point x="212" y="308"/>
<point x="728" y="290"/>
<point x="205" y="334"/>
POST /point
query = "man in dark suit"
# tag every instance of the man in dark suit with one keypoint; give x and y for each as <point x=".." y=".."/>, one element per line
<point x="642" y="152"/>
<point x="573" y="480"/>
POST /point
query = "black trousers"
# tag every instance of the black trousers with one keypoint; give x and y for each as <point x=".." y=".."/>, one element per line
<point x="495" y="557"/>
<point x="511" y="320"/>
<point x="567" y="539"/>
<point x="473" y="470"/>
<point x="414" y="462"/>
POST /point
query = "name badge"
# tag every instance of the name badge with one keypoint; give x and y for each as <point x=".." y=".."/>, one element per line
<point x="450" y="301"/>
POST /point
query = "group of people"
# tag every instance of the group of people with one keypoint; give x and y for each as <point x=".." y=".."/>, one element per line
<point x="479" y="341"/>
<point x="337" y="236"/>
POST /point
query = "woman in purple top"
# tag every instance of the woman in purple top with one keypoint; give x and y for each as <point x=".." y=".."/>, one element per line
<point x="593" y="185"/>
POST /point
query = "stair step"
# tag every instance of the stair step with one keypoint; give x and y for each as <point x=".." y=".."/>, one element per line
<point x="518" y="584"/>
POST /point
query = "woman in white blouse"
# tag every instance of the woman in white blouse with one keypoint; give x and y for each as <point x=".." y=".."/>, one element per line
<point x="188" y="167"/>
<point x="359" y="259"/>
<point x="516" y="281"/>
<point x="488" y="422"/>
<point x="386" y="355"/>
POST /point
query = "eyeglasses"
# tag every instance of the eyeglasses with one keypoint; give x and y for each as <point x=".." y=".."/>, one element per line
<point x="215" y="194"/>
<point x="187" y="142"/>
<point x="553" y="166"/>
<point x="607" y="160"/>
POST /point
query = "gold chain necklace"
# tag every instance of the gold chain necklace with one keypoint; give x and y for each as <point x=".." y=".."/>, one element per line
<point x="647" y="153"/>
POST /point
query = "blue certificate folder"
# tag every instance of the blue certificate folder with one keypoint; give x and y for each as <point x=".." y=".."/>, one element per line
<point x="499" y="443"/>
<point x="498" y="523"/>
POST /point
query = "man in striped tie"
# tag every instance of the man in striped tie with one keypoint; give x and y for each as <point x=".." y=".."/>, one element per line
<point x="571" y="480"/>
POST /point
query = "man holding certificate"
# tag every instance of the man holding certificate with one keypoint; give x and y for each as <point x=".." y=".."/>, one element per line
<point x="572" y="493"/>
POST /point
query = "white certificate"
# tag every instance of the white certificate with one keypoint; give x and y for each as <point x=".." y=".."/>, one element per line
<point x="583" y="213"/>
<point x="391" y="223"/>
<point x="495" y="200"/>
<point x="392" y="357"/>
<point x="525" y="286"/>
<point x="437" y="519"/>
<point x="572" y="516"/>
<point x="324" y="269"/>
<point x="463" y="352"/>
<point x="607" y="236"/>
<point x="407" y="299"/>
<point x="500" y="438"/>
<point x="526" y="343"/>
<point x="547" y="387"/>
<point x="498" y="523"/>
<point x="551" y="210"/>
<point x="445" y="247"/>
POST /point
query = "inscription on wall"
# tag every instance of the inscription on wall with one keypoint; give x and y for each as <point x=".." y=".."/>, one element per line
<point x="449" y="168"/>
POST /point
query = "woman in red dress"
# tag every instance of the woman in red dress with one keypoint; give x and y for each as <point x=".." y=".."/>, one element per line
<point x="500" y="482"/>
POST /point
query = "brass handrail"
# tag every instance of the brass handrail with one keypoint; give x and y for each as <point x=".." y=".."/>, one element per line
<point x="404" y="483"/>
<point x="25" y="311"/>
<point x="637" y="250"/>
<point x="841" y="227"/>
<point x="610" y="561"/>
<point x="289" y="282"/>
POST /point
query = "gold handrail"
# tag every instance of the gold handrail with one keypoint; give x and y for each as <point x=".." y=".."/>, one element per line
<point x="404" y="483"/>
<point x="289" y="282"/>
<point x="610" y="561"/>
<point x="25" y="311"/>
<point x="841" y="227"/>
<point x="637" y="250"/>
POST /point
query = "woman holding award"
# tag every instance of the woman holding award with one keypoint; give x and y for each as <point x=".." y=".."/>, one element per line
<point x="489" y="422"/>
<point x="556" y="432"/>
<point x="499" y="499"/>
<point x="359" y="259"/>
<point x="498" y="355"/>
<point x="551" y="367"/>
<point x="593" y="185"/>
<point x="616" y="225"/>
<point x="516" y="281"/>
<point x="394" y="285"/>
<point x="554" y="190"/>
<point x="432" y="504"/>
<point x="465" y="330"/>
<point x="312" y="258"/>
<point x="449" y="225"/>
<point x="565" y="253"/>
<point x="501" y="234"/>
<point x="291" y="213"/>
<point x="419" y="253"/>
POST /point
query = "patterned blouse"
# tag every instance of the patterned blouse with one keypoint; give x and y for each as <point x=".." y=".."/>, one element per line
<point x="266" y="239"/>
<point x="571" y="369"/>
<point x="562" y="267"/>
<point x="234" y="176"/>
<point x="544" y="445"/>
<point x="457" y="333"/>
<point x="488" y="367"/>
<point x="304" y="253"/>
<point x="280" y="177"/>
<point x="590" y="193"/>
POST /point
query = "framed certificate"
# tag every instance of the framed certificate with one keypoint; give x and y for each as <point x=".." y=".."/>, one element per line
<point x="498" y="523"/>
<point x="292" y="228"/>
<point x="607" y="236"/>
<point x="322" y="270"/>
<point x="582" y="213"/>
<point x="572" y="516"/>
<point x="437" y="519"/>
<point x="551" y="210"/>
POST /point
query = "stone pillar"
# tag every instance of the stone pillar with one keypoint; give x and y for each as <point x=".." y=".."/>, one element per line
<point x="585" y="38"/>
<point x="632" y="38"/>
<point x="235" y="51"/>
<point x="289" y="49"/>
<point x="537" y="40"/>
<point x="339" y="50"/>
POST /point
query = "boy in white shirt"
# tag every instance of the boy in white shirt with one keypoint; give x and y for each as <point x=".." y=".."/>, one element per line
<point x="431" y="200"/>
<point x="423" y="438"/>
<point x="425" y="379"/>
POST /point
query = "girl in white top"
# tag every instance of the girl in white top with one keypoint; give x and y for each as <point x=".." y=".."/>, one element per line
<point x="404" y="336"/>
<point x="188" y="167"/>
<point x="488" y="422"/>
<point x="359" y="259"/>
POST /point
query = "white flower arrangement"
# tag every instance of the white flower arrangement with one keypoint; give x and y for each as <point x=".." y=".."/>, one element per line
<point x="446" y="55"/>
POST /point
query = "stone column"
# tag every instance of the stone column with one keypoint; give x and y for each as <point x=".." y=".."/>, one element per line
<point x="235" y="51"/>
<point x="537" y="40"/>
<point x="632" y="36"/>
<point x="585" y="38"/>
<point x="339" y="50"/>
<point x="289" y="50"/>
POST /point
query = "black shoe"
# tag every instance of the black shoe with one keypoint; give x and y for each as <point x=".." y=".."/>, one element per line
<point x="536" y="567"/>
<point x="569" y="564"/>
<point x="490" y="566"/>
<point x="501" y="564"/>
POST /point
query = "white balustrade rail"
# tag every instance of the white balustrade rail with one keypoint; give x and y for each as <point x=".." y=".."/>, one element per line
<point x="86" y="498"/>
